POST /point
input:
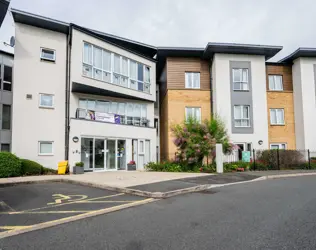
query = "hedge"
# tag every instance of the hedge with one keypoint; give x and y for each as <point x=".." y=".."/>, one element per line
<point x="31" y="167"/>
<point x="10" y="165"/>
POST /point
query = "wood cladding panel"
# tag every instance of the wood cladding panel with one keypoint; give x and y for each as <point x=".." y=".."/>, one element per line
<point x="284" y="133"/>
<point x="176" y="68"/>
<point x="285" y="71"/>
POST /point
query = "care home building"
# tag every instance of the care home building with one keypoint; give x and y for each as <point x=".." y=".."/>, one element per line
<point x="82" y="95"/>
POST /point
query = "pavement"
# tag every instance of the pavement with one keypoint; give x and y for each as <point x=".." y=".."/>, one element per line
<point x="27" y="206"/>
<point x="272" y="214"/>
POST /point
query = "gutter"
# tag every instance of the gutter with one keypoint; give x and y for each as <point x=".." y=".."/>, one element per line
<point x="67" y="92"/>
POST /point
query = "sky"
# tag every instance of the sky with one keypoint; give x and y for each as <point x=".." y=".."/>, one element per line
<point x="184" y="23"/>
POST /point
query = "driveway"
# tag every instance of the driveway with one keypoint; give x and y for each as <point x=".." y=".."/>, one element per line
<point x="272" y="214"/>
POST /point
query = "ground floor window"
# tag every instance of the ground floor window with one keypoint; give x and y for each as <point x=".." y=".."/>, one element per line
<point x="45" y="148"/>
<point x="278" y="146"/>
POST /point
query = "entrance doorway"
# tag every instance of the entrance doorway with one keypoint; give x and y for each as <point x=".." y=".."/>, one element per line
<point x="99" y="154"/>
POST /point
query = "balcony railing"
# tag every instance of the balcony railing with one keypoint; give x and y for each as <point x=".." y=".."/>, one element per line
<point x="86" y="114"/>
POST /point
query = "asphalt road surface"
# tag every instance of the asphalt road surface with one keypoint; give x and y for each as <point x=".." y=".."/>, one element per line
<point x="273" y="214"/>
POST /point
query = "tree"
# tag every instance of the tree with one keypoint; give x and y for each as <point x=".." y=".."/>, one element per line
<point x="195" y="140"/>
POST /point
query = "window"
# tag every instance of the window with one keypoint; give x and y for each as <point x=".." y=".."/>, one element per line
<point x="48" y="55"/>
<point x="277" y="116"/>
<point x="46" y="101"/>
<point x="141" y="147"/>
<point x="242" y="116"/>
<point x="278" y="146"/>
<point x="240" y="79"/>
<point x="6" y="116"/>
<point x="193" y="113"/>
<point x="45" y="148"/>
<point x="192" y="80"/>
<point x="96" y="63"/>
<point x="7" y="78"/>
<point x="5" y="147"/>
<point x="275" y="82"/>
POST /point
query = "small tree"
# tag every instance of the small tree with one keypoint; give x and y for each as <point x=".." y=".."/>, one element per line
<point x="195" y="140"/>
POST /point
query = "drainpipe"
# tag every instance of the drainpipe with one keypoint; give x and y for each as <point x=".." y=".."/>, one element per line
<point x="211" y="89"/>
<point x="67" y="91"/>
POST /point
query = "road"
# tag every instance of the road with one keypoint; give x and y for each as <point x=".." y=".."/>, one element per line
<point x="273" y="214"/>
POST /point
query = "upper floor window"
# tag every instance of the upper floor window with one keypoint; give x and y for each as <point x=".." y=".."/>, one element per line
<point x="192" y="80"/>
<point x="193" y="113"/>
<point x="242" y="115"/>
<point x="46" y="101"/>
<point x="240" y="79"/>
<point x="275" y="82"/>
<point x="48" y="54"/>
<point x="7" y="78"/>
<point x="113" y="68"/>
<point x="6" y="116"/>
<point x="277" y="116"/>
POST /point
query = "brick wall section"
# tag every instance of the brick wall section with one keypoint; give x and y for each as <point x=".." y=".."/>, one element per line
<point x="284" y="100"/>
<point x="177" y="66"/>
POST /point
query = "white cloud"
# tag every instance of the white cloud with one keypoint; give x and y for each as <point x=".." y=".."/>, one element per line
<point x="289" y="23"/>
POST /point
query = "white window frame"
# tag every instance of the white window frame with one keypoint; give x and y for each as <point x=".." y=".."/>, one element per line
<point x="186" y="113"/>
<point x="120" y="75"/>
<point x="45" y="58"/>
<point x="242" y="114"/>
<point x="280" y="145"/>
<point x="141" y="152"/>
<point x="190" y="85"/>
<point x="241" y="82"/>
<point x="277" y="122"/>
<point x="274" y="85"/>
<point x="43" y="106"/>
<point x="45" y="154"/>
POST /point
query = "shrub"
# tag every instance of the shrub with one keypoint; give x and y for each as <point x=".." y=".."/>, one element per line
<point x="30" y="167"/>
<point x="233" y="166"/>
<point x="48" y="171"/>
<point x="10" y="165"/>
<point x="163" y="167"/>
<point x="211" y="168"/>
<point x="259" y="166"/>
<point x="79" y="164"/>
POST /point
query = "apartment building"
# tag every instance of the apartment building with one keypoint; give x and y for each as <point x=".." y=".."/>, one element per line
<point x="260" y="102"/>
<point x="82" y="95"/>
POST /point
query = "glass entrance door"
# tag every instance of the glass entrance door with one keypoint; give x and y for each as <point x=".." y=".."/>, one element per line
<point x="99" y="154"/>
<point x="87" y="153"/>
<point x="111" y="154"/>
<point x="121" y="154"/>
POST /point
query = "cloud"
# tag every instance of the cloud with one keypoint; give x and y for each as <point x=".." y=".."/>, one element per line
<point x="289" y="23"/>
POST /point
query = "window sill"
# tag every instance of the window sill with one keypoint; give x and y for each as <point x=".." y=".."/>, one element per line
<point x="45" y="107"/>
<point x="280" y="91"/>
<point x="277" y="124"/>
<point x="46" y="154"/>
<point x="48" y="60"/>
<point x="238" y="90"/>
<point x="242" y="127"/>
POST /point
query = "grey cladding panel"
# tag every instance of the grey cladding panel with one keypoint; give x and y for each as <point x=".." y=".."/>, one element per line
<point x="315" y="80"/>
<point x="241" y="97"/>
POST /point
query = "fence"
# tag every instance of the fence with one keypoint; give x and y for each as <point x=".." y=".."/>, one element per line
<point x="275" y="159"/>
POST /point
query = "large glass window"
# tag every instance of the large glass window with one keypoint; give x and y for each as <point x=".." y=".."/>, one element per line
<point x="240" y="79"/>
<point x="125" y="72"/>
<point x="242" y="115"/>
<point x="6" y="116"/>
<point x="7" y="78"/>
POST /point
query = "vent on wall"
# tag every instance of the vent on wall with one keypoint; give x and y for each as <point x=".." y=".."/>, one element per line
<point x="29" y="96"/>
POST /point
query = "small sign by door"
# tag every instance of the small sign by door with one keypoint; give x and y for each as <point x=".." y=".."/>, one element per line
<point x="246" y="156"/>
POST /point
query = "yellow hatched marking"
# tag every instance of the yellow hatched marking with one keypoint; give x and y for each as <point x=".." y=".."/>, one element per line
<point x="13" y="227"/>
<point x="59" y="198"/>
<point x="49" y="212"/>
<point x="104" y="201"/>
<point x="72" y="202"/>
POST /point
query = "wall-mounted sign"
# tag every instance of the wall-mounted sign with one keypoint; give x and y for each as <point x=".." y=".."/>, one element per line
<point x="246" y="156"/>
<point x="75" y="139"/>
<point x="103" y="117"/>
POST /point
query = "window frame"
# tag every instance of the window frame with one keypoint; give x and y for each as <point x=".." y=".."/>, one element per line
<point x="190" y="107"/>
<point x="5" y="144"/>
<point x="186" y="82"/>
<point x="45" y="58"/>
<point x="7" y="82"/>
<point x="45" y="154"/>
<point x="10" y="127"/>
<point x="274" y="77"/>
<point x="241" y="82"/>
<point x="279" y="145"/>
<point x="242" y="118"/>
<point x="43" y="106"/>
<point x="124" y="81"/>
<point x="277" y="123"/>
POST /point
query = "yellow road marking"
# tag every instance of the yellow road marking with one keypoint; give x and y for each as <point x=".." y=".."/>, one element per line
<point x="60" y="197"/>
<point x="72" y="202"/>
<point x="5" y="206"/>
<point x="105" y="201"/>
<point x="14" y="227"/>
<point x="49" y="212"/>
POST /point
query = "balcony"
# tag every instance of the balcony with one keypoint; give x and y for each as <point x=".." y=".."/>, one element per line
<point x="91" y="115"/>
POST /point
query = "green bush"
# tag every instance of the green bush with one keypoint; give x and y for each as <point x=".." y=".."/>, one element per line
<point x="31" y="167"/>
<point x="163" y="167"/>
<point x="48" y="171"/>
<point x="232" y="166"/>
<point x="79" y="164"/>
<point x="259" y="166"/>
<point x="10" y="165"/>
